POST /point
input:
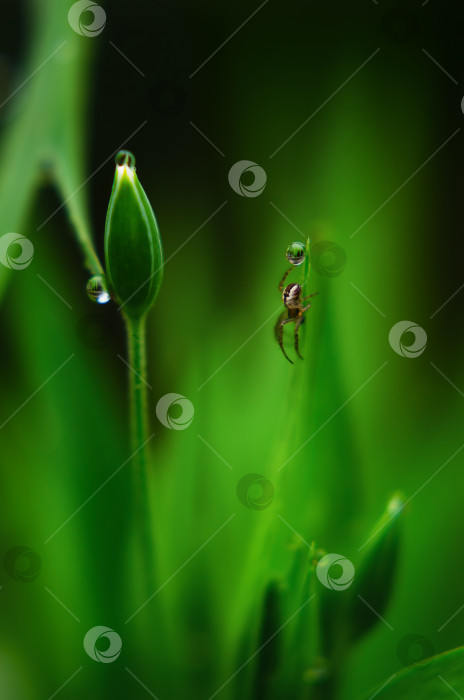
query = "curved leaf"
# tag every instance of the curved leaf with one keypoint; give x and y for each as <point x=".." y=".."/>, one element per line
<point x="438" y="678"/>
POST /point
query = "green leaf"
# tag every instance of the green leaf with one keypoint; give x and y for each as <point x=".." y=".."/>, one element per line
<point x="375" y="573"/>
<point x="133" y="251"/>
<point x="269" y="641"/>
<point x="347" y="615"/>
<point x="43" y="131"/>
<point x="438" y="678"/>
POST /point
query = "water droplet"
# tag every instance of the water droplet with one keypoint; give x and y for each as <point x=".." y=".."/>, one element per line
<point x="97" y="290"/>
<point x="296" y="253"/>
<point x="125" y="158"/>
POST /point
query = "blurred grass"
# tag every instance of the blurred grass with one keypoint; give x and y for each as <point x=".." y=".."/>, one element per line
<point x="439" y="677"/>
<point x="45" y="139"/>
<point x="257" y="410"/>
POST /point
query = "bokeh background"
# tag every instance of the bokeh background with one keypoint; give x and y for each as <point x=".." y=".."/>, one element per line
<point x="359" y="132"/>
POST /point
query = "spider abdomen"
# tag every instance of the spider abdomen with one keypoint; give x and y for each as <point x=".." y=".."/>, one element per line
<point x="291" y="296"/>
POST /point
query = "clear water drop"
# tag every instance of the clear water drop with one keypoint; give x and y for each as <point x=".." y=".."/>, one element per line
<point x="296" y="253"/>
<point x="97" y="290"/>
<point x="125" y="158"/>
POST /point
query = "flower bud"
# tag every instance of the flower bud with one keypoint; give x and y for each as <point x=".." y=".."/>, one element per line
<point x="133" y="250"/>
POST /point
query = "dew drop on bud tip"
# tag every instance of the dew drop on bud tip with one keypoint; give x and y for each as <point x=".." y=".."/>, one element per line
<point x="296" y="253"/>
<point x="97" y="290"/>
<point x="125" y="158"/>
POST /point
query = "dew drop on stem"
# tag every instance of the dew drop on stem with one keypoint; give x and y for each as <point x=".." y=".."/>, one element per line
<point x="97" y="290"/>
<point x="125" y="158"/>
<point x="296" y="253"/>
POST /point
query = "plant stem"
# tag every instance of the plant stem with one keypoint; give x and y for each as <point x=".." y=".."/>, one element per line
<point x="136" y="342"/>
<point x="79" y="220"/>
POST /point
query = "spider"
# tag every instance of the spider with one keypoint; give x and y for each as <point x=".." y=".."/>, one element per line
<point x="294" y="305"/>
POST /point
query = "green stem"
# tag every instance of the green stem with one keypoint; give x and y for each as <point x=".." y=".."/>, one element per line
<point x="79" y="221"/>
<point x="136" y="342"/>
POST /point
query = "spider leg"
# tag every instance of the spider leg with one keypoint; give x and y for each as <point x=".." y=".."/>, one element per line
<point x="282" y="316"/>
<point x="310" y="295"/>
<point x="281" y="285"/>
<point x="280" y="334"/>
<point x="298" y="323"/>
